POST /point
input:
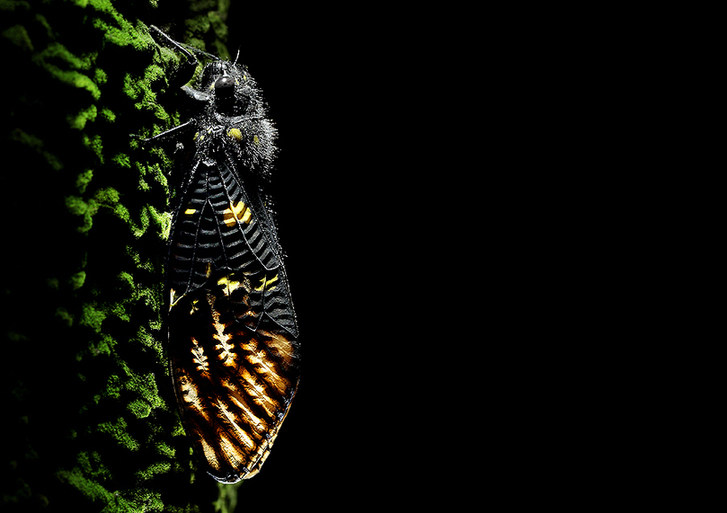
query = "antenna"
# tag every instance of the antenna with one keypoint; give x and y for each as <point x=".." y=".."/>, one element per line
<point x="171" y="42"/>
<point x="182" y="47"/>
<point x="201" y="52"/>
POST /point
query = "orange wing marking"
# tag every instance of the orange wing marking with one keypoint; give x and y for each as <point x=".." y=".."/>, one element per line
<point x="199" y="357"/>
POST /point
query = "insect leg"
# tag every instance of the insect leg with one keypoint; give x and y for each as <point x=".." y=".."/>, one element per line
<point x="172" y="132"/>
<point x="186" y="69"/>
<point x="196" y="94"/>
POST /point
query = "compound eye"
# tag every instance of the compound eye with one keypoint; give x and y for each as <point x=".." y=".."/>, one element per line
<point x="224" y="86"/>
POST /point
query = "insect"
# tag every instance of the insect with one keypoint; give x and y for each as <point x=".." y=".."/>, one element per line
<point x="233" y="346"/>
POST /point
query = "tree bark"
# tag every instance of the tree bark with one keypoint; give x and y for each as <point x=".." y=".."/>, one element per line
<point x="90" y="419"/>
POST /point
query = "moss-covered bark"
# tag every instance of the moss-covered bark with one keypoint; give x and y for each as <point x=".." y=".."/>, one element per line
<point x="92" y="424"/>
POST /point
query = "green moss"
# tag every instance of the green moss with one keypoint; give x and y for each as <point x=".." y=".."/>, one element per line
<point x="58" y="54"/>
<point x="73" y="78"/>
<point x="151" y="341"/>
<point x="77" y="206"/>
<point x="83" y="179"/>
<point x="154" y="469"/>
<point x="12" y="5"/>
<point x="127" y="279"/>
<point x="139" y="408"/>
<point x="92" y="464"/>
<point x="144" y="500"/>
<point x="108" y="196"/>
<point x="227" y="499"/>
<point x="100" y="76"/>
<point x="118" y="430"/>
<point x="145" y="386"/>
<point x="18" y="35"/>
<point x="78" y="122"/>
<point x="163" y="220"/>
<point x="113" y="387"/>
<point x="118" y="310"/>
<point x="130" y="87"/>
<point x="103" y="346"/>
<point x="90" y="486"/>
<point x="36" y="144"/>
<point x="64" y="316"/>
<point x="94" y="144"/>
<point x="77" y="280"/>
<point x="122" y="159"/>
<point x="108" y="115"/>
<point x="165" y="450"/>
<point x="92" y="316"/>
<point x="117" y="444"/>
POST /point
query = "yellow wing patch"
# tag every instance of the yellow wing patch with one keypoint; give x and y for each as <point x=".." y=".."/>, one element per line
<point x="237" y="212"/>
<point x="265" y="284"/>
<point x="229" y="285"/>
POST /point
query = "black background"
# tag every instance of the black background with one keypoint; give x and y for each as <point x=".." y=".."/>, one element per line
<point x="443" y="199"/>
<point x="429" y="229"/>
<point x="359" y="102"/>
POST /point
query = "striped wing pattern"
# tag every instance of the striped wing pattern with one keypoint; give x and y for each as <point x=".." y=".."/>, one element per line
<point x="232" y="329"/>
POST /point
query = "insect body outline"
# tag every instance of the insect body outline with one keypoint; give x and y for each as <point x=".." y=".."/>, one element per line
<point x="233" y="346"/>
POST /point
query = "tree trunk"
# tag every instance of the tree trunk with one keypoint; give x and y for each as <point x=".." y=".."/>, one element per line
<point x="90" y="420"/>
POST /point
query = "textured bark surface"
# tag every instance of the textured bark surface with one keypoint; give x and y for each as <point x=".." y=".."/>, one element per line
<point x="91" y="417"/>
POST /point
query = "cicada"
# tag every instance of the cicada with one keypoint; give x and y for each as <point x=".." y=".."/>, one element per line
<point x="232" y="328"/>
